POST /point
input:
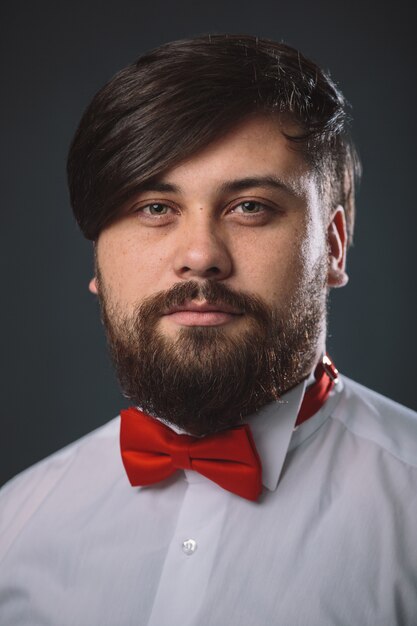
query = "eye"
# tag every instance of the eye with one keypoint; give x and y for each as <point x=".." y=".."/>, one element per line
<point x="249" y="207"/>
<point x="155" y="208"/>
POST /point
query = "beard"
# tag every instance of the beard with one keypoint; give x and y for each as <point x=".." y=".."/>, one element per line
<point x="208" y="378"/>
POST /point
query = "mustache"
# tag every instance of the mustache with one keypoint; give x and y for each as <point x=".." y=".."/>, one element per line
<point x="215" y="293"/>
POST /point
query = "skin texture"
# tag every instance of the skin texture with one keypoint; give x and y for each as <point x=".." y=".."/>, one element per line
<point x="268" y="248"/>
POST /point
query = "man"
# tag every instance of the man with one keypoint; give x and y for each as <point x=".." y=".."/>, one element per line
<point x="254" y="486"/>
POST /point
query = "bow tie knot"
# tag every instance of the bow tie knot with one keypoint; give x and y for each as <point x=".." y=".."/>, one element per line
<point x="179" y="450"/>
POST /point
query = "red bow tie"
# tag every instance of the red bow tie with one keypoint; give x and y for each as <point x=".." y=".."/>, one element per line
<point x="151" y="451"/>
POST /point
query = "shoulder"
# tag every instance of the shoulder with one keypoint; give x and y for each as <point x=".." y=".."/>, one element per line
<point x="25" y="494"/>
<point x="57" y="463"/>
<point x="372" y="416"/>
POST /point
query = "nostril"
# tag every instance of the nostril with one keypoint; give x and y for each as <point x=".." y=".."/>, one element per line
<point x="212" y="271"/>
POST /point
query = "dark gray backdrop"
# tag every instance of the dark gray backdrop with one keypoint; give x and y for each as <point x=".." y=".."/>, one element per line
<point x="57" y="382"/>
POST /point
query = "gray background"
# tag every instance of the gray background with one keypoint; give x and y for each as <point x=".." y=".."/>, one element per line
<point x="57" y="381"/>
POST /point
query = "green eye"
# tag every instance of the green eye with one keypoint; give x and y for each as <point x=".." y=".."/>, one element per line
<point x="250" y="207"/>
<point x="156" y="209"/>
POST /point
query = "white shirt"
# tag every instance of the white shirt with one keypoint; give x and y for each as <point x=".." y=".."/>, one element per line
<point x="331" y="541"/>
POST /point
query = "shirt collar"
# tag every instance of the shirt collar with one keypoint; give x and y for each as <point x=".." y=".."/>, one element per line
<point x="274" y="431"/>
<point x="272" y="428"/>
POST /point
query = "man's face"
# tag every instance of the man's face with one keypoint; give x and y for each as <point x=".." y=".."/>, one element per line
<point x="244" y="215"/>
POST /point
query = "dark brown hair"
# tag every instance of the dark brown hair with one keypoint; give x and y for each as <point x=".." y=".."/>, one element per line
<point x="181" y="96"/>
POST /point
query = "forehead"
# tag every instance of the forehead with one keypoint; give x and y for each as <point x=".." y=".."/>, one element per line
<point x="255" y="149"/>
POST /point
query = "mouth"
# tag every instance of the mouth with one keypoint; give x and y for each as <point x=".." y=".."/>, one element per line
<point x="202" y="314"/>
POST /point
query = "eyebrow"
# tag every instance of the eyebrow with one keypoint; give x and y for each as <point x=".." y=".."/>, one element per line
<point x="230" y="186"/>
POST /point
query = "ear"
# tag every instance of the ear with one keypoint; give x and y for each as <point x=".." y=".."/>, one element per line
<point x="92" y="285"/>
<point x="337" y="243"/>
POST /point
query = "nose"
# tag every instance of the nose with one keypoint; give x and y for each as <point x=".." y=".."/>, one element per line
<point x="202" y="252"/>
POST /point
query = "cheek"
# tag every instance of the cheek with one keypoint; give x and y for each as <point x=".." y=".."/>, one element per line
<point x="125" y="271"/>
<point x="271" y="266"/>
<point x="134" y="263"/>
<point x="279" y="266"/>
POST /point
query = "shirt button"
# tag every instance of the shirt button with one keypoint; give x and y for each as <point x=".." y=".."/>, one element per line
<point x="189" y="546"/>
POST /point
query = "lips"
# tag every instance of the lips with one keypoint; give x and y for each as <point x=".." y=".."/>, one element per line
<point x="203" y="307"/>
<point x="201" y="314"/>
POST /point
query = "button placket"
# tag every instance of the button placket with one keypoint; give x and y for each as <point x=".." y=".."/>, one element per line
<point x="197" y="534"/>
